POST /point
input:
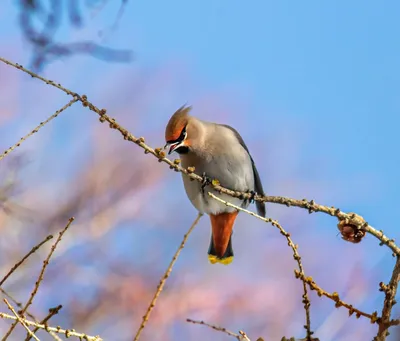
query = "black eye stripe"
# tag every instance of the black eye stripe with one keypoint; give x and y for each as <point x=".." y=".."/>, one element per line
<point x="181" y="137"/>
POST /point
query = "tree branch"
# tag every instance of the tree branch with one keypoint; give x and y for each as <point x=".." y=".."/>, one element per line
<point x="52" y="312"/>
<point x="20" y="320"/>
<point x="390" y="294"/>
<point x="40" y="278"/>
<point x="58" y="112"/>
<point x="66" y="332"/>
<point x="33" y="250"/>
<point x="164" y="278"/>
<point x="296" y="256"/>
<point x="240" y="337"/>
<point x="311" y="206"/>
<point x="352" y="226"/>
<point x="335" y="297"/>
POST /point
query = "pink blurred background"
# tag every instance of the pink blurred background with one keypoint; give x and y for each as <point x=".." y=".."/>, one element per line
<point x="131" y="211"/>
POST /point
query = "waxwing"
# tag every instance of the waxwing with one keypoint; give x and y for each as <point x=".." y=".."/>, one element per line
<point x="217" y="151"/>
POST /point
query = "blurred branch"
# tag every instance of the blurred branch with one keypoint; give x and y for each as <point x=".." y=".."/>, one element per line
<point x="40" y="278"/>
<point x="43" y="40"/>
<point x="66" y="332"/>
<point x="19" y="305"/>
<point x="311" y="206"/>
<point x="33" y="250"/>
<point x="352" y="226"/>
<point x="335" y="297"/>
<point x="20" y="320"/>
<point x="296" y="256"/>
<point x="52" y="312"/>
<point x="165" y="277"/>
<point x="241" y="336"/>
<point x="390" y="294"/>
<point x="38" y="127"/>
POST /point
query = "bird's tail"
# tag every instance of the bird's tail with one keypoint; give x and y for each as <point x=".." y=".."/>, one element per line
<point x="226" y="259"/>
<point x="220" y="250"/>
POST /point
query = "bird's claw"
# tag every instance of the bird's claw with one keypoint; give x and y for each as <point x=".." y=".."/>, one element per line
<point x="252" y="196"/>
<point x="206" y="181"/>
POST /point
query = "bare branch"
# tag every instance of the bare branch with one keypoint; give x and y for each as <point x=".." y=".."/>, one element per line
<point x="241" y="336"/>
<point x="40" y="278"/>
<point x="52" y="312"/>
<point x="311" y="206"/>
<point x="296" y="256"/>
<point x="164" y="278"/>
<point x="58" y="112"/>
<point x="335" y="297"/>
<point x="66" y="332"/>
<point x="352" y="226"/>
<point x="19" y="305"/>
<point x="390" y="294"/>
<point x="21" y="320"/>
<point x="33" y="250"/>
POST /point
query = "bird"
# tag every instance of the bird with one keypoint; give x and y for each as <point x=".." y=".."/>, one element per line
<point x="217" y="152"/>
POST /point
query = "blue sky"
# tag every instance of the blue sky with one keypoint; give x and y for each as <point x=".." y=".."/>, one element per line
<point x="313" y="87"/>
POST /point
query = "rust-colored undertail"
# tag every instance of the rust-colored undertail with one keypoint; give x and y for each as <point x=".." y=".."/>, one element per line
<point x="220" y="250"/>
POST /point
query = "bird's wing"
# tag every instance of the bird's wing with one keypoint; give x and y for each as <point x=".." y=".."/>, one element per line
<point x="257" y="181"/>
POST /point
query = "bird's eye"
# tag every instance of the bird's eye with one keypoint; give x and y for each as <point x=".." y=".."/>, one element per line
<point x="183" y="134"/>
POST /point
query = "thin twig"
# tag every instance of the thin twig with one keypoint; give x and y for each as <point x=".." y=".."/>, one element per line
<point x="390" y="294"/>
<point x="33" y="250"/>
<point x="20" y="320"/>
<point x="65" y="332"/>
<point x="164" y="278"/>
<point x="40" y="278"/>
<point x="296" y="256"/>
<point x="309" y="205"/>
<point x="52" y="312"/>
<point x="336" y="298"/>
<point x="22" y="139"/>
<point x="19" y="305"/>
<point x="241" y="336"/>
<point x="34" y="75"/>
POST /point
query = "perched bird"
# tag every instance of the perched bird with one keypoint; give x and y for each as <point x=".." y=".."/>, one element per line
<point x="217" y="151"/>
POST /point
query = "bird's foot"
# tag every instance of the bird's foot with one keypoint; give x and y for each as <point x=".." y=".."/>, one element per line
<point x="206" y="181"/>
<point x="252" y="196"/>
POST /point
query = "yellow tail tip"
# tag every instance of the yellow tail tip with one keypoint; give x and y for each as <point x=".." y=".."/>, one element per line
<point x="214" y="259"/>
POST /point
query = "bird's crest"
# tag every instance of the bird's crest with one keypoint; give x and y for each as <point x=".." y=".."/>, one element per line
<point x="176" y="123"/>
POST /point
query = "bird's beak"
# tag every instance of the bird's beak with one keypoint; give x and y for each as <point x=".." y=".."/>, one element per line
<point x="172" y="146"/>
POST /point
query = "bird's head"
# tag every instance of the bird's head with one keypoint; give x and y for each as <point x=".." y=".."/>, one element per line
<point x="176" y="132"/>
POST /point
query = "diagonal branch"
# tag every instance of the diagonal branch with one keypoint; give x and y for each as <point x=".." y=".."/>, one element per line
<point x="164" y="278"/>
<point x="296" y="256"/>
<point x="22" y="139"/>
<point x="358" y="225"/>
<point x="52" y="312"/>
<point x="311" y="206"/>
<point x="335" y="297"/>
<point x="390" y="294"/>
<point x="19" y="319"/>
<point x="19" y="305"/>
<point x="240" y="337"/>
<point x="33" y="250"/>
<point x="40" y="278"/>
<point x="66" y="332"/>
